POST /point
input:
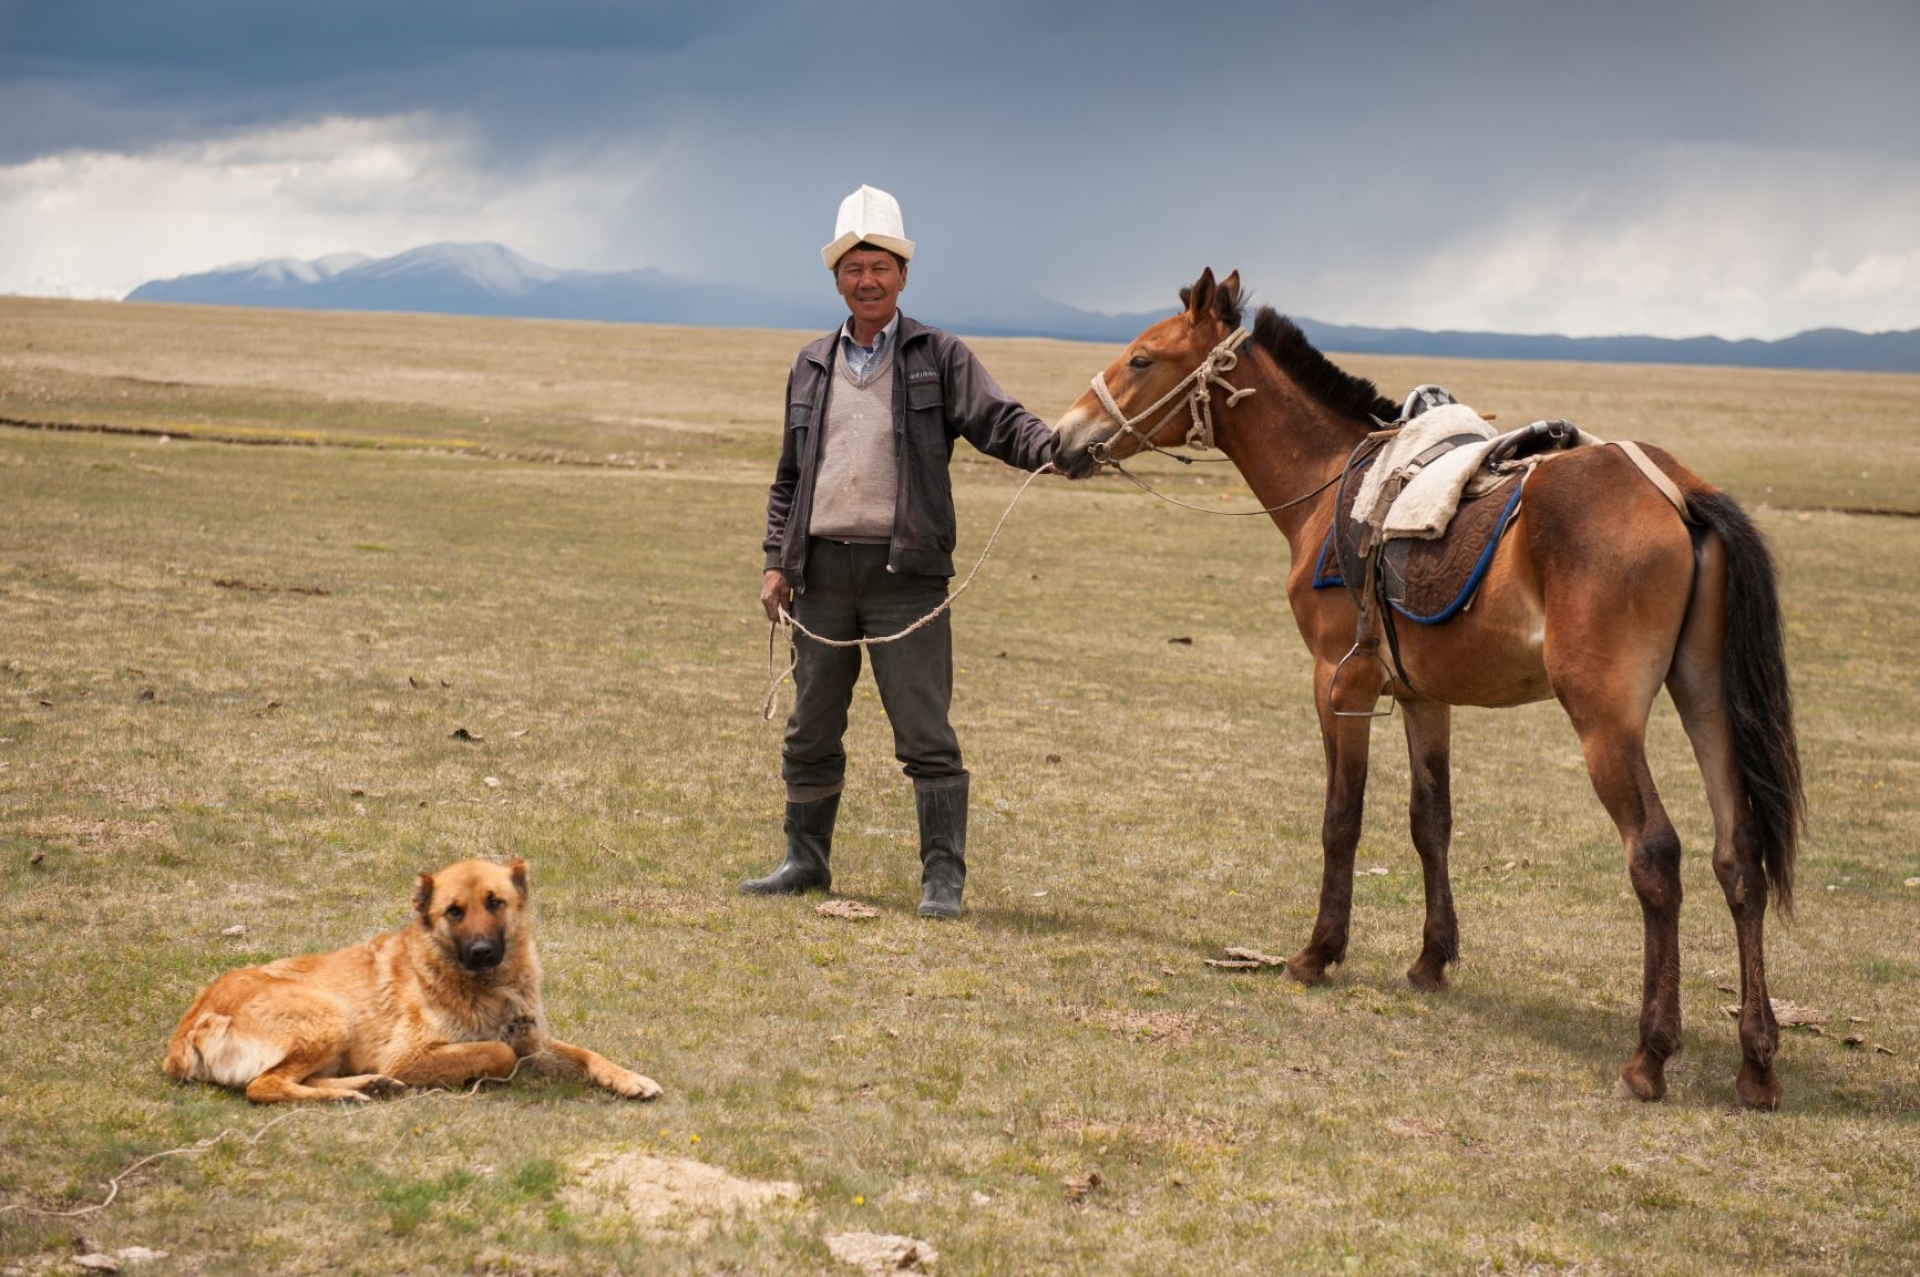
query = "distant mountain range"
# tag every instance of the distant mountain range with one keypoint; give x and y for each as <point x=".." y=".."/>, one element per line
<point x="483" y="279"/>
<point x="491" y="279"/>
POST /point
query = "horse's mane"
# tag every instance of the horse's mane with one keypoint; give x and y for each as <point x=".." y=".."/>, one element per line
<point x="1314" y="373"/>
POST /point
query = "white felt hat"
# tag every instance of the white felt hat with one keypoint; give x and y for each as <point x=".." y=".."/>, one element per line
<point x="871" y="215"/>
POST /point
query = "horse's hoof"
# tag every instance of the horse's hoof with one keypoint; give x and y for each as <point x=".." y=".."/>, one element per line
<point x="1758" y="1088"/>
<point x="1434" y="981"/>
<point x="1305" y="970"/>
<point x="1643" y="1087"/>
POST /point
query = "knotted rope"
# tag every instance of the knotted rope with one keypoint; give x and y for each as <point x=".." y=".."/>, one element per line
<point x="788" y="622"/>
<point x="1197" y="386"/>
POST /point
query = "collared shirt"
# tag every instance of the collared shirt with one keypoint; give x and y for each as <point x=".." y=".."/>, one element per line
<point x="860" y="358"/>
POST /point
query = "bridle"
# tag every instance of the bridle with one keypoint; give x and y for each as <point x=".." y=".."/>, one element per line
<point x="1197" y="386"/>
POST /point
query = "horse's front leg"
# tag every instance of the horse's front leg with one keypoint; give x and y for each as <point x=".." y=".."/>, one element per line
<point x="1429" y="754"/>
<point x="1345" y="740"/>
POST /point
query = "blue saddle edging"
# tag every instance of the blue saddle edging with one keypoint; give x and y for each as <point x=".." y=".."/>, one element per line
<point x="1323" y="578"/>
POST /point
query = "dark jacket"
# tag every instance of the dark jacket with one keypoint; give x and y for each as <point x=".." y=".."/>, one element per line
<point x="940" y="392"/>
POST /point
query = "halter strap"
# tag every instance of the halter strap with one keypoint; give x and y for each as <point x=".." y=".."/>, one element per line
<point x="1197" y="386"/>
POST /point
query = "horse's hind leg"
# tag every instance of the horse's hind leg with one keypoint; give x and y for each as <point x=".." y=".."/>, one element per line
<point x="1346" y="741"/>
<point x="1613" y="739"/>
<point x="1695" y="687"/>
<point x="1429" y="725"/>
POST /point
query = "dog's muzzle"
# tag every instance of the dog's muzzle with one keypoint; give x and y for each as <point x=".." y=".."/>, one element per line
<point x="482" y="953"/>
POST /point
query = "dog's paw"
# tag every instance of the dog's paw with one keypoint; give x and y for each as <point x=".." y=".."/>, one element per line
<point x="520" y="1034"/>
<point x="366" y="1086"/>
<point x="631" y="1085"/>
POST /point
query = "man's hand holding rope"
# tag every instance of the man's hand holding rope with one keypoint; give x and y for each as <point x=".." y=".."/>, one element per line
<point x="776" y="594"/>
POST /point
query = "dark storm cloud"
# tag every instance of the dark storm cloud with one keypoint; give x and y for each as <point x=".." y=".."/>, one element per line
<point x="1379" y="72"/>
<point x="106" y="74"/>
<point x="277" y="42"/>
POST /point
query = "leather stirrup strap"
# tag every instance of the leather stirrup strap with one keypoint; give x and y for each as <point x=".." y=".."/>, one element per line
<point x="1656" y="476"/>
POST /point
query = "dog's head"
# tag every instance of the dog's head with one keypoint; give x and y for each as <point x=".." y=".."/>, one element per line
<point x="475" y="911"/>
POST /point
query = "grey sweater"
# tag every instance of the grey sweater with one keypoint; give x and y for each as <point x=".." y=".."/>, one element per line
<point x="854" y="493"/>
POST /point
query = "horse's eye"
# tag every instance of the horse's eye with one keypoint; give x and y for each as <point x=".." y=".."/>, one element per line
<point x="1139" y="361"/>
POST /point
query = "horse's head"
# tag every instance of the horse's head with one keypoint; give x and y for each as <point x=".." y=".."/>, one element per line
<point x="1154" y="367"/>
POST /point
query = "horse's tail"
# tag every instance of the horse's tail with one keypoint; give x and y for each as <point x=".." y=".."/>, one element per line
<point x="1753" y="676"/>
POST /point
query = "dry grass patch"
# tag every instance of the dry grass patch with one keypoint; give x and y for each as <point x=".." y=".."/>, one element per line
<point x="101" y="836"/>
<point x="1174" y="1028"/>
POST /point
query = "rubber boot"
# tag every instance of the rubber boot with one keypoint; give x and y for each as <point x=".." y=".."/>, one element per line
<point x="809" y="829"/>
<point x="943" y="847"/>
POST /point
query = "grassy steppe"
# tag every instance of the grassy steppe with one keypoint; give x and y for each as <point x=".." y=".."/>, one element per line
<point x="229" y="678"/>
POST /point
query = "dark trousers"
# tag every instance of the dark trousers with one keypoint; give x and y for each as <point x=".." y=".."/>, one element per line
<point x="850" y="594"/>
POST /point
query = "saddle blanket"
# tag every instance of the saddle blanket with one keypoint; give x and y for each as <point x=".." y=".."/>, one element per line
<point x="1434" y="438"/>
<point x="1426" y="580"/>
<point x="1437" y="535"/>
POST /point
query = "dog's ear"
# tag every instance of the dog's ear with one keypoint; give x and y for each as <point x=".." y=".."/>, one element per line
<point x="423" y="894"/>
<point x="517" y="870"/>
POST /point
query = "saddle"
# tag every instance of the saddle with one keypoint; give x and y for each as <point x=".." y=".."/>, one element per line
<point x="1426" y="567"/>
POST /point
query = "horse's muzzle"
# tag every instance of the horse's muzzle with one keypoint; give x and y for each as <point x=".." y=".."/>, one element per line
<point x="1074" y="454"/>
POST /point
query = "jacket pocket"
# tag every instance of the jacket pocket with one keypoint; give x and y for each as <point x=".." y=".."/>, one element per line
<point x="925" y="396"/>
<point x="799" y="414"/>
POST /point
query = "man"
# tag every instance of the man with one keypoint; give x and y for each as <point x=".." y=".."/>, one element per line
<point x="860" y="538"/>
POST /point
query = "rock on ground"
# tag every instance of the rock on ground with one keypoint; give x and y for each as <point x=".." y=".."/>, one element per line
<point x="883" y="1252"/>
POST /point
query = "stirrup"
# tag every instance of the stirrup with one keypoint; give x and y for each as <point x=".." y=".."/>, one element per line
<point x="1372" y="648"/>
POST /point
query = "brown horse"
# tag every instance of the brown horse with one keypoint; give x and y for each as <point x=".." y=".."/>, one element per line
<point x="1598" y="595"/>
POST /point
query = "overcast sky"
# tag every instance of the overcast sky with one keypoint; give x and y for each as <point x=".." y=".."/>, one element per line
<point x="1739" y="167"/>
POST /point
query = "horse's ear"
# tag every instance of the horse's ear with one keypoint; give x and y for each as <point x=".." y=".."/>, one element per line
<point x="1228" y="302"/>
<point x="1199" y="298"/>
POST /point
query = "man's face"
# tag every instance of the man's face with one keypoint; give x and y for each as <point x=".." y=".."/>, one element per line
<point x="870" y="280"/>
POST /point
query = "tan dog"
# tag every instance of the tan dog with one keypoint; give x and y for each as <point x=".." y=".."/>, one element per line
<point x="451" y="996"/>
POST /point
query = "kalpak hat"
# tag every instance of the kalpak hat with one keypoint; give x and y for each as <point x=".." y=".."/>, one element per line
<point x="872" y="215"/>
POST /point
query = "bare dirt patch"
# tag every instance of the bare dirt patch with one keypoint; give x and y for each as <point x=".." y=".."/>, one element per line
<point x="671" y="1196"/>
<point x="1177" y="1028"/>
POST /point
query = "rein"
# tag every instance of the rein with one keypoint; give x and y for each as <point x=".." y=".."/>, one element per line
<point x="1151" y="491"/>
<point x="791" y="624"/>
<point x="1198" y="387"/>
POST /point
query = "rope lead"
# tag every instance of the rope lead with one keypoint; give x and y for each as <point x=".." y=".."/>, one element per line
<point x="791" y="624"/>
